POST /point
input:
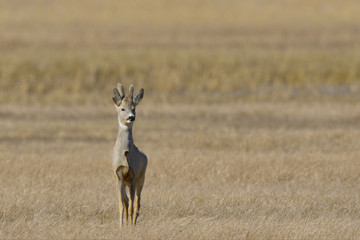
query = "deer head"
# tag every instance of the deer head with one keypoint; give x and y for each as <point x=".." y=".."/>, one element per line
<point x="125" y="104"/>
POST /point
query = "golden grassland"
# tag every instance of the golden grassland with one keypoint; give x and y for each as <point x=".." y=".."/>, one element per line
<point x="57" y="52"/>
<point x="250" y="120"/>
<point x="232" y="171"/>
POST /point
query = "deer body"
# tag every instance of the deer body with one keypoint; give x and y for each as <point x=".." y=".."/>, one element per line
<point x="128" y="163"/>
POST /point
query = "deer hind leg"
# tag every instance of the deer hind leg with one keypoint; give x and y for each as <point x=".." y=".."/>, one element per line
<point x="139" y="186"/>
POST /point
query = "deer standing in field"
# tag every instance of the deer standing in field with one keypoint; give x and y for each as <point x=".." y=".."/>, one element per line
<point x="128" y="163"/>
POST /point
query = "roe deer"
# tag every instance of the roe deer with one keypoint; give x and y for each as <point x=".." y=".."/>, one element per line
<point x="128" y="163"/>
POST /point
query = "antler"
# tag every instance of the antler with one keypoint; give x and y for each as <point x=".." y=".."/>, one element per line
<point x="121" y="89"/>
<point x="131" y="91"/>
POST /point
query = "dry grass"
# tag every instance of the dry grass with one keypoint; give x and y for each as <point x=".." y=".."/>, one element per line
<point x="239" y="171"/>
<point x="250" y="120"/>
<point x="55" y="51"/>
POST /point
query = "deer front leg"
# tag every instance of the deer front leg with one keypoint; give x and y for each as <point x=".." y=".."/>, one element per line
<point x="123" y="204"/>
<point x="126" y="205"/>
<point x="131" y="203"/>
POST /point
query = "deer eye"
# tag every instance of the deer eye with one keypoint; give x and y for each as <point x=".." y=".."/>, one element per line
<point x="122" y="109"/>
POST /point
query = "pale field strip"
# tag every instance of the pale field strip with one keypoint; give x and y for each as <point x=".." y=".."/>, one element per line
<point x="57" y="52"/>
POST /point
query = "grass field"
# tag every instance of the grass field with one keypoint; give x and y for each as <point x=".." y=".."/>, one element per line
<point x="247" y="49"/>
<point x="242" y="171"/>
<point x="250" y="120"/>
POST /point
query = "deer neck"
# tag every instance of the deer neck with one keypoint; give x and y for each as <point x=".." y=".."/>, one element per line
<point x="124" y="139"/>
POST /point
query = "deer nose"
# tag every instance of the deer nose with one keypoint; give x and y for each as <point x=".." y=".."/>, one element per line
<point x="132" y="117"/>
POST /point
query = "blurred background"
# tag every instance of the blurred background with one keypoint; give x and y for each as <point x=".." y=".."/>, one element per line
<point x="250" y="120"/>
<point x="74" y="52"/>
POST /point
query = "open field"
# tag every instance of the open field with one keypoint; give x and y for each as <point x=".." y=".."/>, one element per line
<point x="250" y="120"/>
<point x="57" y="52"/>
<point x="221" y="171"/>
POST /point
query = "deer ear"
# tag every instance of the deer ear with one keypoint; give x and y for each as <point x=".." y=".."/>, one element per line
<point x="139" y="96"/>
<point x="116" y="97"/>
